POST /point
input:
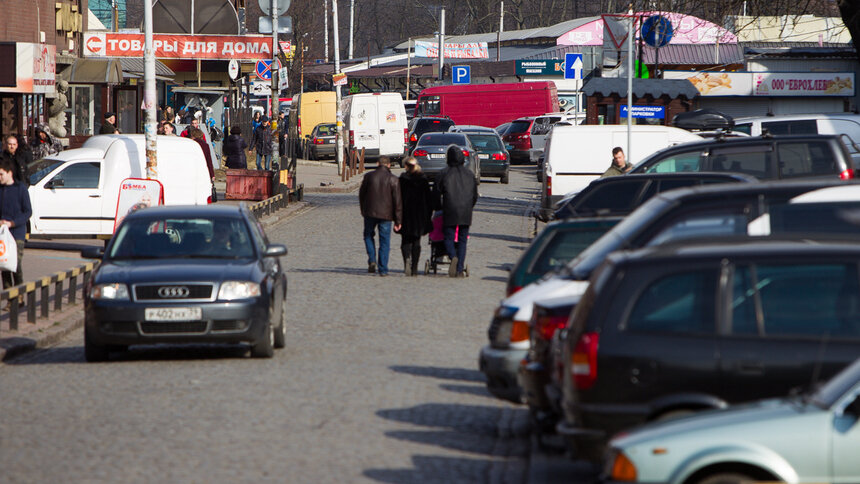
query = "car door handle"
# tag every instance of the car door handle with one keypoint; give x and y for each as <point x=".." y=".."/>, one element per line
<point x="751" y="367"/>
<point x="95" y="196"/>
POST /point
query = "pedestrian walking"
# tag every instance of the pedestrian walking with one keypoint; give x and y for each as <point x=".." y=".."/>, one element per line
<point x="261" y="142"/>
<point x="109" y="126"/>
<point x="379" y="199"/>
<point x="619" y="165"/>
<point x="15" y="211"/>
<point x="255" y="121"/>
<point x="20" y="155"/>
<point x="417" y="199"/>
<point x="197" y="135"/>
<point x="457" y="193"/>
<point x="43" y="144"/>
<point x="234" y="147"/>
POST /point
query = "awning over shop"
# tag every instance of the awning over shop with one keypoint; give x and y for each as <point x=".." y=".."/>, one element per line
<point x="673" y="88"/>
<point x="93" y="71"/>
<point x="132" y="67"/>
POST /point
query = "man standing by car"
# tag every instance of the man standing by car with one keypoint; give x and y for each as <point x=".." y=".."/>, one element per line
<point x="619" y="164"/>
<point x="20" y="156"/>
<point x="109" y="126"/>
<point x="15" y="211"/>
<point x="379" y="199"/>
<point x="261" y="142"/>
<point x="457" y="190"/>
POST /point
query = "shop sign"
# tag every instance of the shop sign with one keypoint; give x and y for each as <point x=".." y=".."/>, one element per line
<point x="35" y="68"/>
<point x="338" y="79"/>
<point x="471" y="50"/>
<point x="803" y="84"/>
<point x="543" y="67"/>
<point x="716" y="83"/>
<point x="645" y="112"/>
<point x="170" y="46"/>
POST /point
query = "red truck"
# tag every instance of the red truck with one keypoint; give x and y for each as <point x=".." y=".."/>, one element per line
<point x="488" y="104"/>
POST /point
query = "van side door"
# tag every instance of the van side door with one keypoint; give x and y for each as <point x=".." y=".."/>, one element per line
<point x="392" y="122"/>
<point x="364" y="124"/>
<point x="70" y="202"/>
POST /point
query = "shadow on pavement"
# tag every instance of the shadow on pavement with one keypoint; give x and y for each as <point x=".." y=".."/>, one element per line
<point x="505" y="237"/>
<point x="75" y="354"/>
<point x="460" y="374"/>
<point x="477" y="390"/>
<point x="336" y="270"/>
<point x="495" y="278"/>
<point x="435" y="469"/>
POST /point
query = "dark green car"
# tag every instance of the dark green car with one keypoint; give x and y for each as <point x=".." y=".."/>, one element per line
<point x="555" y="246"/>
<point x="492" y="155"/>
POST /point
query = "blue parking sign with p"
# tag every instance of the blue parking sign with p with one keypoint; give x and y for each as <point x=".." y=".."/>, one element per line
<point x="461" y="74"/>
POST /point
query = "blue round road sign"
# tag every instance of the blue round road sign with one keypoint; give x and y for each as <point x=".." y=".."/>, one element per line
<point x="657" y="31"/>
<point x="263" y="69"/>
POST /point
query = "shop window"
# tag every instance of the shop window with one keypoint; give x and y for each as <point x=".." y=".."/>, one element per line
<point x="127" y="111"/>
<point x="80" y="114"/>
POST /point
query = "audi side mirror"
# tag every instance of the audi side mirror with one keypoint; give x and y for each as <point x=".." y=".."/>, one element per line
<point x="275" y="250"/>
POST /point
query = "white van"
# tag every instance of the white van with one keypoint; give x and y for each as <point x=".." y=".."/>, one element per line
<point x="576" y="155"/>
<point x="376" y="122"/>
<point x="74" y="193"/>
<point x="845" y="124"/>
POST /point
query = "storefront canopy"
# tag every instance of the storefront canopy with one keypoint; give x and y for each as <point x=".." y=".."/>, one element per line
<point x="673" y="88"/>
<point x="94" y="71"/>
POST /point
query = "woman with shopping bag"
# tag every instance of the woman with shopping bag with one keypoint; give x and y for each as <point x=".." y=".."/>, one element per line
<point x="15" y="211"/>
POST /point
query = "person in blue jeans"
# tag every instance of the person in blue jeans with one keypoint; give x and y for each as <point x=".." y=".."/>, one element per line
<point x="261" y="142"/>
<point x="381" y="206"/>
<point x="457" y="193"/>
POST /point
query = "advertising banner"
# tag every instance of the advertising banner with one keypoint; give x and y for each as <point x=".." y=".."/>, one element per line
<point x="542" y="67"/>
<point x="472" y="50"/>
<point x="179" y="46"/>
<point x="716" y="83"/>
<point x="803" y="84"/>
<point x="135" y="194"/>
<point x="35" y="68"/>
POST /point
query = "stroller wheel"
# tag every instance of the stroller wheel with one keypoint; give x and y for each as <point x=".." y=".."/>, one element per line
<point x="466" y="270"/>
<point x="427" y="268"/>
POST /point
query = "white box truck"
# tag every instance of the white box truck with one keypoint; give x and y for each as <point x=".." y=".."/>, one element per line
<point x="376" y="122"/>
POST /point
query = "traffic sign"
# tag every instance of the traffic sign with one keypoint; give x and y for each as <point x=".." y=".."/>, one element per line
<point x="572" y="66"/>
<point x="461" y="74"/>
<point x="281" y="6"/>
<point x="233" y="69"/>
<point x="657" y="31"/>
<point x="263" y="69"/>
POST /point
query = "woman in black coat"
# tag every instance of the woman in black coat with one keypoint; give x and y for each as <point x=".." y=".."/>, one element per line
<point x="234" y="147"/>
<point x="417" y="210"/>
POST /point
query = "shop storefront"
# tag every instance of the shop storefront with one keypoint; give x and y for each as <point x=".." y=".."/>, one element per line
<point x="655" y="101"/>
<point x="22" y="96"/>
<point x="91" y="82"/>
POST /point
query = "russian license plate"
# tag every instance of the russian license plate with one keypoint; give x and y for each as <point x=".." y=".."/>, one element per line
<point x="436" y="156"/>
<point x="331" y="141"/>
<point x="173" y="314"/>
<point x="484" y="157"/>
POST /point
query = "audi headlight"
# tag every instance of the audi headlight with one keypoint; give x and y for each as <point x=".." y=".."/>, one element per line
<point x="116" y="291"/>
<point x="238" y="290"/>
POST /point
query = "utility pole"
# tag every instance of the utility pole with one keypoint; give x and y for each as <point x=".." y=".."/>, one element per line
<point x="274" y="69"/>
<point x="628" y="154"/>
<point x="338" y="113"/>
<point x="441" y="42"/>
<point x="408" y="66"/>
<point x="351" y="22"/>
<point x="149" y="95"/>
<point x="325" y="4"/>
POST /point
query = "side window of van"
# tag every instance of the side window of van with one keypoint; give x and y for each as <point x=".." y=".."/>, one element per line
<point x="79" y="175"/>
<point x="787" y="297"/>
<point x="678" y="303"/>
<point x="800" y="126"/>
<point x="689" y="161"/>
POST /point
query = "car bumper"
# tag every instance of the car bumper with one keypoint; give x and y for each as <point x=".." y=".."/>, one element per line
<point x="501" y="368"/>
<point x="490" y="168"/>
<point x="124" y="323"/>
<point x="323" y="150"/>
<point x="533" y="378"/>
<point x="519" y="155"/>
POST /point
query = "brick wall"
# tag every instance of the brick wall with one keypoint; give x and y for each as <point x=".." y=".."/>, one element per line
<point x="27" y="17"/>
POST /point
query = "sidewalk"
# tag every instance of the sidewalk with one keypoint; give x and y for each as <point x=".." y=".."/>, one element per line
<point x="318" y="177"/>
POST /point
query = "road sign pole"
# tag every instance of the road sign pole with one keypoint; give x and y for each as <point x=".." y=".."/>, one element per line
<point x="149" y="95"/>
<point x="628" y="154"/>
<point x="275" y="94"/>
<point x="338" y="154"/>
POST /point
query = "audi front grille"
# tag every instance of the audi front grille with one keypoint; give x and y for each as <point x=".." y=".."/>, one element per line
<point x="174" y="292"/>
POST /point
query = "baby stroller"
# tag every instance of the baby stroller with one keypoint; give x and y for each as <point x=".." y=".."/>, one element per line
<point x="438" y="254"/>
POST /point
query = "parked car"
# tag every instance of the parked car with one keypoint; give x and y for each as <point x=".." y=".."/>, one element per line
<point x="764" y="157"/>
<point x="675" y="329"/>
<point x="518" y="136"/>
<point x="620" y="195"/>
<point x="431" y="153"/>
<point x="321" y="141"/>
<point x="75" y="191"/>
<point x="803" y="437"/>
<point x="492" y="155"/>
<point x="761" y="209"/>
<point x="186" y="274"/>
<point x="502" y="128"/>
<point x="470" y="128"/>
<point x="418" y="126"/>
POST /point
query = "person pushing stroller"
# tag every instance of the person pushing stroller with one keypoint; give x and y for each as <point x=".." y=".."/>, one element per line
<point x="457" y="193"/>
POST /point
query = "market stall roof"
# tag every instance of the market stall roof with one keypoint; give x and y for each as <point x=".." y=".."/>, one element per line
<point x="673" y="88"/>
<point x="133" y="67"/>
<point x="93" y="71"/>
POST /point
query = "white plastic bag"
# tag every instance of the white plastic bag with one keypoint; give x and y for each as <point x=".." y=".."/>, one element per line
<point x="8" y="250"/>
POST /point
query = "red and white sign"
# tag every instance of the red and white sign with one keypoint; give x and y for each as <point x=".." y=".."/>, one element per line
<point x="135" y="194"/>
<point x="472" y="50"/>
<point x="803" y="84"/>
<point x="176" y="46"/>
<point x="35" y="69"/>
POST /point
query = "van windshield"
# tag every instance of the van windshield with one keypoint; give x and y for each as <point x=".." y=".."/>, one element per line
<point x="40" y="169"/>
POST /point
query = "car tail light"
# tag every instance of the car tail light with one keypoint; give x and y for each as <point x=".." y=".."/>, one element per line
<point x="299" y="127"/>
<point x="413" y="138"/>
<point x="847" y="174"/>
<point x="519" y="331"/>
<point x="466" y="153"/>
<point x="547" y="325"/>
<point x="513" y="289"/>
<point x="524" y="136"/>
<point x="405" y="136"/>
<point x="500" y="156"/>
<point x="583" y="361"/>
<point x="548" y="186"/>
<point x="419" y="153"/>
<point x="351" y="137"/>
<point x="318" y="141"/>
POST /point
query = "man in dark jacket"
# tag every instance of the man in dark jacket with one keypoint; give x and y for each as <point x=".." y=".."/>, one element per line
<point x="379" y="199"/>
<point x="109" y="126"/>
<point x="19" y="155"/>
<point x="261" y="142"/>
<point x="15" y="211"/>
<point x="234" y="147"/>
<point x="457" y="191"/>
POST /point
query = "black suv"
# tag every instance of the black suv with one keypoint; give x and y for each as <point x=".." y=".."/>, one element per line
<point x="620" y="195"/>
<point x="764" y="157"/>
<point x="674" y="329"/>
<point x="425" y="124"/>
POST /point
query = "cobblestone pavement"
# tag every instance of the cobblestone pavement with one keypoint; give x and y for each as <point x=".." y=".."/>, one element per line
<point x="378" y="383"/>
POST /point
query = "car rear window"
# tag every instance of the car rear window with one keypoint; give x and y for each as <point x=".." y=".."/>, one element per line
<point x="442" y="139"/>
<point x="428" y="125"/>
<point x="519" y="127"/>
<point x="486" y="142"/>
<point x="610" y="197"/>
<point x="782" y="300"/>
